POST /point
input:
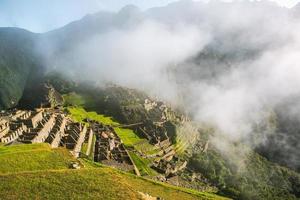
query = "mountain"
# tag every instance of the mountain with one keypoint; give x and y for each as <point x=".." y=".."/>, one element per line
<point x="244" y="174"/>
<point x="55" y="49"/>
<point x="18" y="63"/>
<point x="70" y="59"/>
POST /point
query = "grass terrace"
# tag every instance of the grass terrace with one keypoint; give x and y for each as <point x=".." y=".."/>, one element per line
<point x="79" y="114"/>
<point x="33" y="157"/>
<point x="35" y="171"/>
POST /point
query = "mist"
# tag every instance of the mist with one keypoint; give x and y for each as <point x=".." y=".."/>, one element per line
<point x="229" y="65"/>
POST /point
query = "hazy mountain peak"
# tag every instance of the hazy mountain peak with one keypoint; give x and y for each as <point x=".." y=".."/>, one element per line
<point x="129" y="9"/>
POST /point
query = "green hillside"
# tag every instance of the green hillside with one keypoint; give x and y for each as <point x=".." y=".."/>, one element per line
<point x="20" y="158"/>
<point x="18" y="64"/>
<point x="40" y="172"/>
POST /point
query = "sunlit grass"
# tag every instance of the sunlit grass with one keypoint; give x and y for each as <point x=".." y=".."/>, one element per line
<point x="79" y="114"/>
<point x="143" y="165"/>
<point x="31" y="157"/>
<point x="35" y="171"/>
<point x="128" y="137"/>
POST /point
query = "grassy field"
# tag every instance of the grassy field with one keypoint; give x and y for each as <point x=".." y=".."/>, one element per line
<point x="33" y="157"/>
<point x="24" y="175"/>
<point x="128" y="137"/>
<point x="79" y="114"/>
<point x="97" y="183"/>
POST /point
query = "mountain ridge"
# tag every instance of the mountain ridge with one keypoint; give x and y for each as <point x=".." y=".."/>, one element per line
<point x="26" y="58"/>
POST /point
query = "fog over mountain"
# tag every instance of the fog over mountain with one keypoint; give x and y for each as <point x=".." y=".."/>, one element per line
<point x="231" y="65"/>
<point x="203" y="95"/>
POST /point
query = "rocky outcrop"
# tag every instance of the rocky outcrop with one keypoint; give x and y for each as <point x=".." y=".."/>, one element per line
<point x="41" y="95"/>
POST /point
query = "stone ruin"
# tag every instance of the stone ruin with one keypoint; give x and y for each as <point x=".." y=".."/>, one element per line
<point x="57" y="132"/>
<point x="74" y="137"/>
<point x="154" y="133"/>
<point x="42" y="125"/>
<point x="54" y="127"/>
<point x="167" y="162"/>
<point x="110" y="150"/>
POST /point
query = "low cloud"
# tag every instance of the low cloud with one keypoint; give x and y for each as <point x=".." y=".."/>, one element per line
<point x="228" y="65"/>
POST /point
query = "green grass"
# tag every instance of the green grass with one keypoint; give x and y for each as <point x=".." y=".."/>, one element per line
<point x="97" y="183"/>
<point x="129" y="138"/>
<point x="180" y="147"/>
<point x="146" y="148"/>
<point x="143" y="165"/>
<point x="79" y="114"/>
<point x="33" y="157"/>
<point x="48" y="177"/>
<point x="84" y="148"/>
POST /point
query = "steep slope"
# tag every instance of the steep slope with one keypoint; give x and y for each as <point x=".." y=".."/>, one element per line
<point x="17" y="61"/>
<point x="249" y="176"/>
<point x="46" y="175"/>
<point x="265" y="180"/>
<point x="239" y="174"/>
<point x="34" y="157"/>
<point x="282" y="146"/>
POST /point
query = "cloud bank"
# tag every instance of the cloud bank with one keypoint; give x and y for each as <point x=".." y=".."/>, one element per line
<point x="228" y="65"/>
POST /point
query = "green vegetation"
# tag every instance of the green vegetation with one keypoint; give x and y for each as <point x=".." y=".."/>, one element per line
<point x="143" y="165"/>
<point x="48" y="177"/>
<point x="17" y="64"/>
<point x="263" y="179"/>
<point x="33" y="157"/>
<point x="180" y="147"/>
<point x="84" y="148"/>
<point x="115" y="101"/>
<point x="128" y="137"/>
<point x="131" y="139"/>
<point x="79" y="114"/>
<point x="98" y="183"/>
<point x="73" y="99"/>
<point x="251" y="178"/>
<point x="146" y="148"/>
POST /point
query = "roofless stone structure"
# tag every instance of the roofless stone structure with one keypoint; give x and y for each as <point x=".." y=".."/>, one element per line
<point x="54" y="127"/>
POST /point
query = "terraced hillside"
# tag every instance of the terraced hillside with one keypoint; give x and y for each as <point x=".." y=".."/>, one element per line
<point x="206" y="163"/>
<point x="46" y="174"/>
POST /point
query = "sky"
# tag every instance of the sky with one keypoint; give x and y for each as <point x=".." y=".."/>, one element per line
<point x="45" y="15"/>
